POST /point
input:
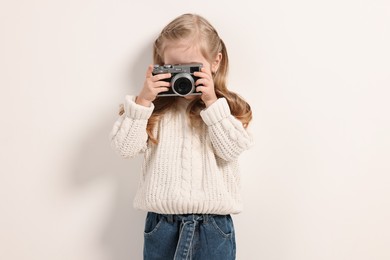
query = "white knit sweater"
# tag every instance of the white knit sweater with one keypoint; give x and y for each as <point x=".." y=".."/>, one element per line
<point x="189" y="170"/>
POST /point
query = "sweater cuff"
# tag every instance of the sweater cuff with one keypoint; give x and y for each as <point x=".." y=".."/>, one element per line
<point x="135" y="111"/>
<point x="216" y="112"/>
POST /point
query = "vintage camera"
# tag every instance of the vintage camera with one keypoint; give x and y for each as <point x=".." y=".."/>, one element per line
<point x="182" y="79"/>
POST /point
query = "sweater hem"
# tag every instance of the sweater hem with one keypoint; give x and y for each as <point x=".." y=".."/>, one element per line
<point x="180" y="207"/>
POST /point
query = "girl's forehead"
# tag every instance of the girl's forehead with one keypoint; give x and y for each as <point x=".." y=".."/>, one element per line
<point x="182" y="52"/>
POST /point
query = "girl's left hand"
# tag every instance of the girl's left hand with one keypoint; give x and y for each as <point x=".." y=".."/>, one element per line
<point x="207" y="86"/>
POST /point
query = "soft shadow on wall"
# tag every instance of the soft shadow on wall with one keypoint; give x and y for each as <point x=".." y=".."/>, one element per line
<point x="122" y="237"/>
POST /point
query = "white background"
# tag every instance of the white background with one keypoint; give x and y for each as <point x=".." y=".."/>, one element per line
<point x="316" y="183"/>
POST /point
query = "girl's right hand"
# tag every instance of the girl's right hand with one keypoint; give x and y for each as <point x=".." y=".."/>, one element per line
<point x="153" y="85"/>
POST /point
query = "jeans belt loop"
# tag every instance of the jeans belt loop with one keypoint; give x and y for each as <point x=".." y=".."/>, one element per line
<point x="170" y="218"/>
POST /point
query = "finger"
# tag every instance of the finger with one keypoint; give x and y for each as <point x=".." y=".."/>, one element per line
<point x="200" y="89"/>
<point x="204" y="70"/>
<point x="149" y="71"/>
<point x="162" y="84"/>
<point x="201" y="82"/>
<point x="202" y="75"/>
<point x="162" y="89"/>
<point x="159" y="77"/>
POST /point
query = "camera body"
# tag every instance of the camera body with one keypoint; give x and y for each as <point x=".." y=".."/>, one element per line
<point x="182" y="79"/>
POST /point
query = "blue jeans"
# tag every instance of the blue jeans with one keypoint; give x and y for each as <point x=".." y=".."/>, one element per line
<point x="189" y="237"/>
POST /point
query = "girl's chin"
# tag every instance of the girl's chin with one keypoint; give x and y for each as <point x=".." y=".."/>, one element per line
<point x="189" y="97"/>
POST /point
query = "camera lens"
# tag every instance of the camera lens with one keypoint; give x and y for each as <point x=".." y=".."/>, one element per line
<point x="183" y="84"/>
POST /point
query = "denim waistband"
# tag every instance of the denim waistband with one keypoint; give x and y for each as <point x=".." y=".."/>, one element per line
<point x="188" y="217"/>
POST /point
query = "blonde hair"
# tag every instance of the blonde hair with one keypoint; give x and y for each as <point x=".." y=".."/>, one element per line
<point x="192" y="26"/>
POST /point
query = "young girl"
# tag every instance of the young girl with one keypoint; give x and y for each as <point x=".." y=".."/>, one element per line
<point x="190" y="182"/>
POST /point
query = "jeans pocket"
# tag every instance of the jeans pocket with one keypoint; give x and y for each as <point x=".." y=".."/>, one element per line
<point x="152" y="223"/>
<point x="223" y="224"/>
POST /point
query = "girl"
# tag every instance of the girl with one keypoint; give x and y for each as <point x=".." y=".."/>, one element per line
<point x="190" y="182"/>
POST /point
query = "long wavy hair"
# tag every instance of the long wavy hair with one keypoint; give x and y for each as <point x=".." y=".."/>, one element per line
<point x="197" y="28"/>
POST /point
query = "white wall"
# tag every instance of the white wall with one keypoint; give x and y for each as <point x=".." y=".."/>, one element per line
<point x="316" y="184"/>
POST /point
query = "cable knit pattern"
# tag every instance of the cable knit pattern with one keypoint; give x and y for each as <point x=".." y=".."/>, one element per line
<point x="190" y="170"/>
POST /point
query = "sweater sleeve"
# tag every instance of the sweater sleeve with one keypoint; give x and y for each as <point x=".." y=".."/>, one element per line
<point x="227" y="134"/>
<point x="128" y="136"/>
